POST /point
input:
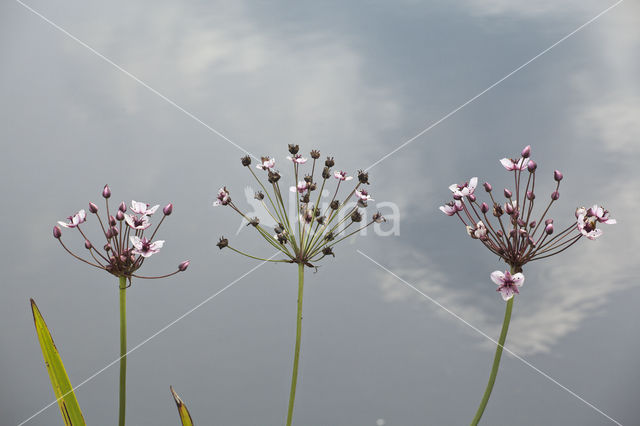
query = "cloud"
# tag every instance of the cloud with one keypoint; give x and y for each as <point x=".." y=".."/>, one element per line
<point x="558" y="298"/>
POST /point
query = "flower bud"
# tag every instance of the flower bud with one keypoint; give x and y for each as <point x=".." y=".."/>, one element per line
<point x="507" y="193"/>
<point x="183" y="266"/>
<point x="106" y="192"/>
<point x="549" y="229"/>
<point x="548" y="221"/>
<point x="487" y="187"/>
<point x="87" y="244"/>
<point x="526" y="152"/>
<point x="114" y="231"/>
<point x="555" y="195"/>
<point x="531" y="242"/>
<point x="557" y="175"/>
<point x="120" y="215"/>
<point x="112" y="221"/>
<point x="56" y="232"/>
<point x="167" y="209"/>
<point x="508" y="208"/>
<point x="107" y="247"/>
<point x="246" y="160"/>
<point x="530" y="195"/>
<point x="293" y="149"/>
<point x="532" y="166"/>
<point x="122" y="207"/>
<point x="532" y="224"/>
<point x="484" y="207"/>
<point x="472" y="197"/>
<point x="93" y="208"/>
<point x="521" y="222"/>
<point x="499" y="233"/>
<point x="109" y="233"/>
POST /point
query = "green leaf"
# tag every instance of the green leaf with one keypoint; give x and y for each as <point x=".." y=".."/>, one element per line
<point x="185" y="417"/>
<point x="62" y="388"/>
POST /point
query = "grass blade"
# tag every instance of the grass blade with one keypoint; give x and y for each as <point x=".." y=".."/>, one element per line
<point x="185" y="417"/>
<point x="62" y="388"/>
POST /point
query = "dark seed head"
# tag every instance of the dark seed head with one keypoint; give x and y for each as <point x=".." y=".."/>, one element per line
<point x="222" y="243"/>
<point x="315" y="154"/>
<point x="293" y="149"/>
<point x="356" y="216"/>
<point x="246" y="160"/>
<point x="334" y="205"/>
<point x="363" y="177"/>
<point x="329" y="162"/>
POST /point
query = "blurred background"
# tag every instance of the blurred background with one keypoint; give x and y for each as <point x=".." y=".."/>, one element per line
<point x="353" y="80"/>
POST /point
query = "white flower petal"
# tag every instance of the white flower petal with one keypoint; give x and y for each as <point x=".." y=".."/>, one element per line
<point x="473" y="183"/>
<point x="497" y="277"/>
<point x="507" y="163"/>
<point x="507" y="293"/>
<point x="518" y="279"/>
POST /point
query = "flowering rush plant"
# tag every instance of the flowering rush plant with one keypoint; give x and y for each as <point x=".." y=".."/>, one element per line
<point x="311" y="232"/>
<point x="123" y="251"/>
<point x="516" y="234"/>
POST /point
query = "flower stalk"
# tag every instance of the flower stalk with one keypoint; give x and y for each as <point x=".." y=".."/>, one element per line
<point x="296" y="352"/>
<point x="122" y="396"/>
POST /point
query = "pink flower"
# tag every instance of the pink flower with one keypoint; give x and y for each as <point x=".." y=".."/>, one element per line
<point x="479" y="232"/>
<point x="465" y="189"/>
<point x="451" y="208"/>
<point x="223" y="198"/>
<point x="588" y="219"/>
<point x="74" y="220"/>
<point x="363" y="195"/>
<point x="510" y="164"/>
<point x="143" y="208"/>
<point x="144" y="247"/>
<point x="266" y="163"/>
<point x="507" y="284"/>
<point x="137" y="222"/>
<point x="298" y="159"/>
<point x="301" y="187"/>
<point x="340" y="175"/>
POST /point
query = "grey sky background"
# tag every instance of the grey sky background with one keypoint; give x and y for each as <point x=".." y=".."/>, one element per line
<point x="352" y="80"/>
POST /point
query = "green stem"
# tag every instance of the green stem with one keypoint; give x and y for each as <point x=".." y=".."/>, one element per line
<point x="123" y="350"/>
<point x="296" y="356"/>
<point x="496" y="361"/>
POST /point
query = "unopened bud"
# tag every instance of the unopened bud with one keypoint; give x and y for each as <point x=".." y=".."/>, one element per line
<point x="487" y="187"/>
<point x="507" y="193"/>
<point x="87" y="244"/>
<point x="555" y="195"/>
<point x="106" y="192"/>
<point x="114" y="231"/>
<point x="183" y="266"/>
<point x="484" y="207"/>
<point x="532" y="224"/>
<point x="107" y="247"/>
<point x="122" y="207"/>
<point x="120" y="215"/>
<point x="109" y="233"/>
<point x="93" y="208"/>
<point x="549" y="229"/>
<point x="112" y="221"/>
<point x="167" y="209"/>
<point x="530" y="195"/>
<point x="532" y="166"/>
<point x="531" y="242"/>
<point x="526" y="152"/>
<point x="499" y="233"/>
<point x="57" y="233"/>
<point x="557" y="175"/>
<point x="548" y="221"/>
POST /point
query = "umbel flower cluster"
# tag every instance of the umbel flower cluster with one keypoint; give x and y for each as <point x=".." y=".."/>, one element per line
<point x="310" y="233"/>
<point x="511" y="230"/>
<point x="125" y="247"/>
